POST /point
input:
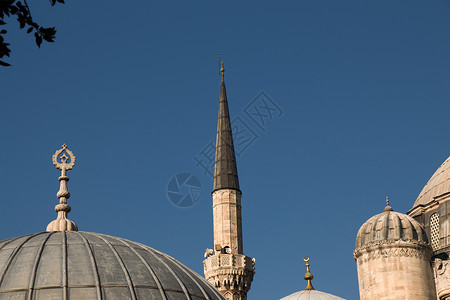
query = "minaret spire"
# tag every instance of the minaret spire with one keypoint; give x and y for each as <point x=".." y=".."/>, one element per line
<point x="225" y="170"/>
<point x="226" y="267"/>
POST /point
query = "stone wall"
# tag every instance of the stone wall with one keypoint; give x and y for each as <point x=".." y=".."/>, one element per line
<point x="395" y="270"/>
<point x="227" y="220"/>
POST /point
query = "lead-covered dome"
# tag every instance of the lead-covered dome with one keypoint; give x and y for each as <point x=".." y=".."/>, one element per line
<point x="439" y="184"/>
<point x="86" y="265"/>
<point x="390" y="225"/>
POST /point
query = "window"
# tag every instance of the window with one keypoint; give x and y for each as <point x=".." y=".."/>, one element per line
<point x="434" y="229"/>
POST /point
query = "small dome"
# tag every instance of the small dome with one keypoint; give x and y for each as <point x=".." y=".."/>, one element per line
<point x="438" y="184"/>
<point x="311" y="295"/>
<point x="390" y="225"/>
<point x="85" y="265"/>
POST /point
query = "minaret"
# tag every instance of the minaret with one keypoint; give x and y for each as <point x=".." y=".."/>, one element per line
<point x="226" y="267"/>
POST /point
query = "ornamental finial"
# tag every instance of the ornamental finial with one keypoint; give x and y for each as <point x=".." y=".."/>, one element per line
<point x="308" y="276"/>
<point x="221" y="69"/>
<point x="64" y="160"/>
<point x="387" y="208"/>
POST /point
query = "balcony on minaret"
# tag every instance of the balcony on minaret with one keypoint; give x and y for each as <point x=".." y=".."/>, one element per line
<point x="226" y="267"/>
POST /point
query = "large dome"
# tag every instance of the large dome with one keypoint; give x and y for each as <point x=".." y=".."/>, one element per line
<point x="86" y="265"/>
<point x="390" y="225"/>
<point x="438" y="185"/>
<point x="311" y="295"/>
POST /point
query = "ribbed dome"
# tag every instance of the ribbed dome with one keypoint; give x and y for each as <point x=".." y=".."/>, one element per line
<point x="85" y="265"/>
<point x="390" y="225"/>
<point x="311" y="295"/>
<point x="438" y="184"/>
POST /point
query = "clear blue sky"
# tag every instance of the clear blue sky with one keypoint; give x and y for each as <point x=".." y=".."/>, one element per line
<point x="132" y="88"/>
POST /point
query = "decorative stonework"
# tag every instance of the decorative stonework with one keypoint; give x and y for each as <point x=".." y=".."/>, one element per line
<point x="394" y="248"/>
<point x="231" y="274"/>
<point x="64" y="160"/>
<point x="442" y="278"/>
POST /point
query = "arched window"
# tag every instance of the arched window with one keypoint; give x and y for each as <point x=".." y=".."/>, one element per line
<point x="434" y="229"/>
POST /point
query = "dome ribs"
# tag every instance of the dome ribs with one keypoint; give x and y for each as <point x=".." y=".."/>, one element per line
<point x="398" y="234"/>
<point x="94" y="265"/>
<point x="147" y="265"/>
<point x="16" y="250"/>
<point x="121" y="263"/>
<point x="35" y="266"/>
<point x="64" y="266"/>
<point x="177" y="263"/>
<point x="418" y="232"/>
<point x="214" y="290"/>
<point x="437" y="185"/>
<point x="183" y="287"/>
<point x="390" y="226"/>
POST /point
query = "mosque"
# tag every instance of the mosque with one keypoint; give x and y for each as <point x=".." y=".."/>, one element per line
<point x="398" y="256"/>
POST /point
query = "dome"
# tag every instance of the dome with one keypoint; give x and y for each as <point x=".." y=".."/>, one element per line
<point x="86" y="265"/>
<point x="438" y="184"/>
<point x="390" y="225"/>
<point x="311" y="295"/>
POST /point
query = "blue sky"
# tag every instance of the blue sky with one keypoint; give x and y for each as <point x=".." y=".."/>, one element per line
<point x="132" y="88"/>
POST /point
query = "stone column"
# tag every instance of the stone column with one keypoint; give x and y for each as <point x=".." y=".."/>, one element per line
<point x="227" y="220"/>
<point x="227" y="268"/>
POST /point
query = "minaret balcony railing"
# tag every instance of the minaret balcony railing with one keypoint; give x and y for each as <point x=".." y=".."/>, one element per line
<point x="238" y="261"/>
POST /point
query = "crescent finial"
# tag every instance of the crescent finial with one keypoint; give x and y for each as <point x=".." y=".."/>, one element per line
<point x="64" y="160"/>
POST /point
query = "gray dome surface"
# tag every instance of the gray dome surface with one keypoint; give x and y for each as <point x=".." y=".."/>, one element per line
<point x="390" y="225"/>
<point x="438" y="184"/>
<point x="86" y="265"/>
<point x="311" y="295"/>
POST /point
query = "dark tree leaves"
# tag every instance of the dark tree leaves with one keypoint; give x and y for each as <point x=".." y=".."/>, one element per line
<point x="20" y="9"/>
<point x="38" y="39"/>
<point x="53" y="2"/>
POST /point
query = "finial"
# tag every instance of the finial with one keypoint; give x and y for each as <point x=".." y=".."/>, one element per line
<point x="221" y="69"/>
<point x="387" y="208"/>
<point x="308" y="276"/>
<point x="64" y="160"/>
<point x="218" y="62"/>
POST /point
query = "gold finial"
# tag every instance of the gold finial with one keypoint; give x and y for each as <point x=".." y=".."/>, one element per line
<point x="64" y="160"/>
<point x="221" y="69"/>
<point x="308" y="276"/>
<point x="387" y="208"/>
